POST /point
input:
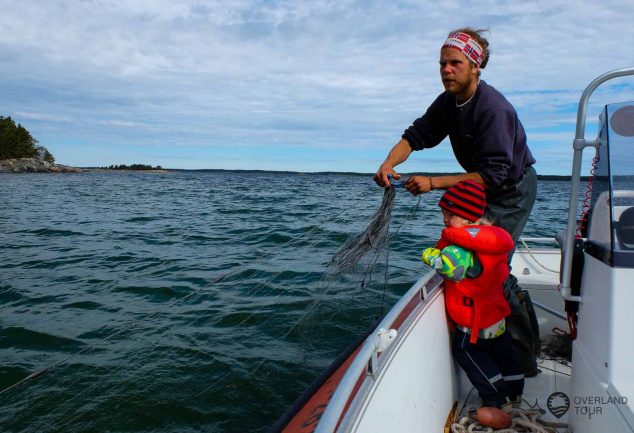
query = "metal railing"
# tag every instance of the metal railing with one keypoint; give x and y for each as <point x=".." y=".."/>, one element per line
<point x="579" y="144"/>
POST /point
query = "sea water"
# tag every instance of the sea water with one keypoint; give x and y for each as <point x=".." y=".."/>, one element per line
<point x="192" y="301"/>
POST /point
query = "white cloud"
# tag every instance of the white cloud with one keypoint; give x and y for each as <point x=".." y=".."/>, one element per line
<point x="47" y="117"/>
<point x="123" y="123"/>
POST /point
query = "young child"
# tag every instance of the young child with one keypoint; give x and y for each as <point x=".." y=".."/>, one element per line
<point x="472" y="257"/>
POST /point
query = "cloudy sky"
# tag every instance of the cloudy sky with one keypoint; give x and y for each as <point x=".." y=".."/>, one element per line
<point x="291" y="85"/>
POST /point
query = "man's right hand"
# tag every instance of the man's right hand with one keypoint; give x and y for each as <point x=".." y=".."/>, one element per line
<point x="381" y="178"/>
<point x="399" y="153"/>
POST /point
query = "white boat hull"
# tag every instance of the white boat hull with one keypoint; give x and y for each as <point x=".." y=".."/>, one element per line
<point x="416" y="382"/>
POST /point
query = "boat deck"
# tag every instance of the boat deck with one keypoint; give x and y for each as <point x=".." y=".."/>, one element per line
<point x="552" y="383"/>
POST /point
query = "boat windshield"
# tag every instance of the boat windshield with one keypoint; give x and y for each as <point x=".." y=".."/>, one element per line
<point x="612" y="221"/>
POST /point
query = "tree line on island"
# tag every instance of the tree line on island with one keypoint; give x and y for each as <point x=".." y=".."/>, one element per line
<point x="16" y="142"/>
<point x="133" y="167"/>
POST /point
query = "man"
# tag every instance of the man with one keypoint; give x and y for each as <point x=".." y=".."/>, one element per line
<point x="486" y="135"/>
<point x="487" y="139"/>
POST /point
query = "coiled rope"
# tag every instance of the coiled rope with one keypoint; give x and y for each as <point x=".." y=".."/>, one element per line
<point x="523" y="421"/>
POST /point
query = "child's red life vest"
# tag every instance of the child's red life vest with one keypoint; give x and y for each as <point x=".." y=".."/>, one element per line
<point x="477" y="303"/>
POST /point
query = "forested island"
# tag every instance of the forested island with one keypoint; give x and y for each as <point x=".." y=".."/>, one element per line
<point x="21" y="153"/>
<point x="16" y="142"/>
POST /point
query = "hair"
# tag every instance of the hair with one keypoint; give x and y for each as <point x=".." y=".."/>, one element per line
<point x="484" y="221"/>
<point x="478" y="35"/>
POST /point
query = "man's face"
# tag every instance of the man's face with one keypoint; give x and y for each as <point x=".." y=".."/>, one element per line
<point x="457" y="73"/>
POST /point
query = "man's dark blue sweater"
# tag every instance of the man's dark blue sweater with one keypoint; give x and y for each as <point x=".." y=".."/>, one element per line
<point x="486" y="135"/>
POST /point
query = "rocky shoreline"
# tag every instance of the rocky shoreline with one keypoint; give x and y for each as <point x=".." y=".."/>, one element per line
<point x="33" y="165"/>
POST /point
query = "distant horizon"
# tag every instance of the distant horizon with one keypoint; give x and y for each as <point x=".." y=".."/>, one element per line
<point x="351" y="173"/>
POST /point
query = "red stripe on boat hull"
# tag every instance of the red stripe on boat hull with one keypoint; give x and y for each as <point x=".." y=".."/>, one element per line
<point x="306" y="420"/>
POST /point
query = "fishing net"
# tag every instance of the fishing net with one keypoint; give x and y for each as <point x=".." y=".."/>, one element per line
<point x="365" y="248"/>
<point x="350" y="300"/>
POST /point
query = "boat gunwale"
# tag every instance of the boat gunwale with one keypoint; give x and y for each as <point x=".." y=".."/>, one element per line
<point x="305" y="397"/>
<point x="347" y="388"/>
<point x="405" y="326"/>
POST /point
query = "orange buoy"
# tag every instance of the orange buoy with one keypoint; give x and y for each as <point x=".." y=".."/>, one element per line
<point x="493" y="417"/>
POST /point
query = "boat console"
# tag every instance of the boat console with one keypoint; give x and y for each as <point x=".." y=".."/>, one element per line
<point x="611" y="222"/>
<point x="602" y="381"/>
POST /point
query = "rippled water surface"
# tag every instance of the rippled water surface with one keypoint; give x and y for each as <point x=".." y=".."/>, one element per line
<point x="190" y="301"/>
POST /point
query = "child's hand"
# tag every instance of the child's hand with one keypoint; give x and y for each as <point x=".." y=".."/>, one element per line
<point x="430" y="255"/>
<point x="459" y="263"/>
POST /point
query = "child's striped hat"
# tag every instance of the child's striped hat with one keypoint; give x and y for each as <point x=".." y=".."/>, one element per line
<point x="465" y="199"/>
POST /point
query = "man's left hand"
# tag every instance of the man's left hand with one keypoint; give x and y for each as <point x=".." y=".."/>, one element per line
<point x="418" y="184"/>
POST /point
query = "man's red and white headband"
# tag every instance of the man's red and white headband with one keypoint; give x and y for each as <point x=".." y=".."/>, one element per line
<point x="467" y="45"/>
